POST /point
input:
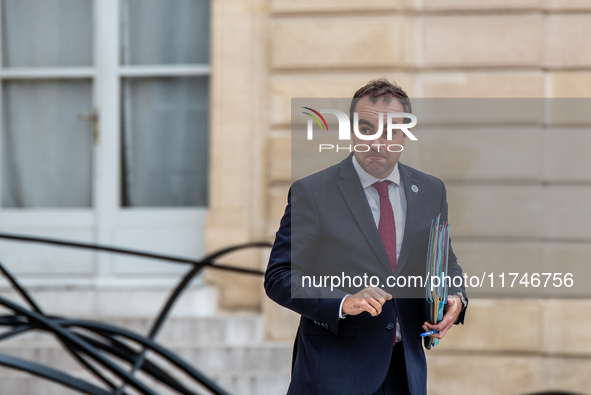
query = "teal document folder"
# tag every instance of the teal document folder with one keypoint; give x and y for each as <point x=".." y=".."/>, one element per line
<point x="436" y="274"/>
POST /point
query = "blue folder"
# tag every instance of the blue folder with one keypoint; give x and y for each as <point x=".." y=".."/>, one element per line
<point x="436" y="274"/>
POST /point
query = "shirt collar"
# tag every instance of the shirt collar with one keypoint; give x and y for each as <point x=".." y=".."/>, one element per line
<point x="367" y="179"/>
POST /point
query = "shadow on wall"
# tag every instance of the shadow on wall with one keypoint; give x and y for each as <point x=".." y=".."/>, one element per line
<point x="555" y="393"/>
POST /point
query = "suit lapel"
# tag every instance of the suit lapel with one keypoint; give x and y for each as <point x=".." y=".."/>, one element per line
<point x="413" y="212"/>
<point x="354" y="196"/>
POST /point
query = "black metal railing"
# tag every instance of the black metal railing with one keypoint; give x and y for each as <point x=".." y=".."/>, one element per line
<point x="100" y="347"/>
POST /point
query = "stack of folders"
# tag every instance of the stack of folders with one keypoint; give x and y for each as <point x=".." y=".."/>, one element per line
<point x="436" y="288"/>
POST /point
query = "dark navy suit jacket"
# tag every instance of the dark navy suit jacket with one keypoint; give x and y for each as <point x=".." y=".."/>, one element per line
<point x="334" y="232"/>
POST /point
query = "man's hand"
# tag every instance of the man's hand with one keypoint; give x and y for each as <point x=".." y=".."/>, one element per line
<point x="452" y="311"/>
<point x="370" y="299"/>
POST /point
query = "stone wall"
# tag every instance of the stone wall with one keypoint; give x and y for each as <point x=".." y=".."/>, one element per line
<point x="267" y="52"/>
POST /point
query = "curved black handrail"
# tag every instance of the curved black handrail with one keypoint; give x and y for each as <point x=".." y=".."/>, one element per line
<point x="51" y="374"/>
<point x="68" y="337"/>
<point x="90" y="350"/>
<point x="25" y="295"/>
<point x="150" y="255"/>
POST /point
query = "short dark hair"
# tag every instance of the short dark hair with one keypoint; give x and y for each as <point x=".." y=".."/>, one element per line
<point x="380" y="89"/>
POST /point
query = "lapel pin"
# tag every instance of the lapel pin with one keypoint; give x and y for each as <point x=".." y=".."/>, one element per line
<point x="414" y="188"/>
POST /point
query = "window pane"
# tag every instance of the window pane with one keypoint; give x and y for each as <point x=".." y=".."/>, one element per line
<point x="46" y="33"/>
<point x="46" y="149"/>
<point x="165" y="141"/>
<point x="165" y="32"/>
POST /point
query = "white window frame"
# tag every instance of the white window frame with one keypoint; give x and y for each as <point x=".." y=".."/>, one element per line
<point x="107" y="216"/>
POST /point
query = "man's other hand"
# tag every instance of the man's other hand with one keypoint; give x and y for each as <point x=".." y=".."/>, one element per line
<point x="370" y="299"/>
<point x="452" y="311"/>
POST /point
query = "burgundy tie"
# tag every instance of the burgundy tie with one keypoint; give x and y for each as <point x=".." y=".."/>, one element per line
<point x="386" y="226"/>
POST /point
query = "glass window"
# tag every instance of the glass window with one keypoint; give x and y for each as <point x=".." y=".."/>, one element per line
<point x="46" y="149"/>
<point x="47" y="33"/>
<point x="165" y="141"/>
<point x="165" y="32"/>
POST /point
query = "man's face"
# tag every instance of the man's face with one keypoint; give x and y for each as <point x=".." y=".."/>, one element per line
<point x="378" y="161"/>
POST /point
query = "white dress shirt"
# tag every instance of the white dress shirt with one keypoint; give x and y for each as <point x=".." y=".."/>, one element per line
<point x="397" y="198"/>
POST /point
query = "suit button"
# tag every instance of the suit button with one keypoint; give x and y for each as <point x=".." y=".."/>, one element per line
<point x="390" y="326"/>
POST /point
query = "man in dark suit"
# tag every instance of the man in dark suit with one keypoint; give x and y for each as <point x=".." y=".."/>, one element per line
<point x="366" y="216"/>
